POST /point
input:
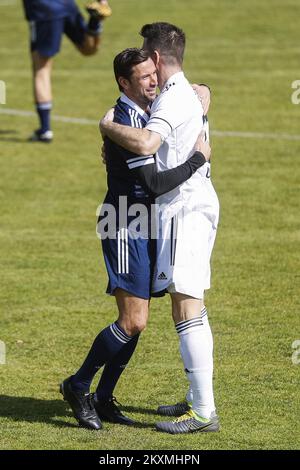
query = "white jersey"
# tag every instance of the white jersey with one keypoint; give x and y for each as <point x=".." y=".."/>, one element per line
<point x="177" y="115"/>
<point x="188" y="215"/>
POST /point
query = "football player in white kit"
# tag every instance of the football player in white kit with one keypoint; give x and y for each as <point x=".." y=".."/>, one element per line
<point x="188" y="218"/>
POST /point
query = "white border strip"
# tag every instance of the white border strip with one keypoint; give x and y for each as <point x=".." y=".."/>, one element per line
<point x="92" y="122"/>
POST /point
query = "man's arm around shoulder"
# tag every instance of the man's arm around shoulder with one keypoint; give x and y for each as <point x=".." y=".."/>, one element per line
<point x="139" y="141"/>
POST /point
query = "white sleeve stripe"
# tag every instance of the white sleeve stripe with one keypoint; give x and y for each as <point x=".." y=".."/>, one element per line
<point x="142" y="157"/>
<point x="131" y="118"/>
<point x="137" y="120"/>
<point x="141" y="163"/>
<point x="134" y="118"/>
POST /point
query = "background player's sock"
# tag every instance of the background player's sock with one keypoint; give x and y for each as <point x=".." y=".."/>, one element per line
<point x="114" y="368"/>
<point x="44" y="111"/>
<point x="106" y="345"/>
<point x="196" y="353"/>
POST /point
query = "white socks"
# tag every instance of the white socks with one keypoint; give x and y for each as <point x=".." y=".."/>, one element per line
<point x="196" y="348"/>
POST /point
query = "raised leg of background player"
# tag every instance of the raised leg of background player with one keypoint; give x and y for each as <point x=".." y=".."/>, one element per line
<point x="196" y="350"/>
<point x="42" y="66"/>
<point x="98" y="11"/>
<point x="113" y="347"/>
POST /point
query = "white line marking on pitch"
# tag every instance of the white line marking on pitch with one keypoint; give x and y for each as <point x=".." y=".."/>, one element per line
<point x="256" y="135"/>
<point x="93" y="122"/>
<point x="19" y="112"/>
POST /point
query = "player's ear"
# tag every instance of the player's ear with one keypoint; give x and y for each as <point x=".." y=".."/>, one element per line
<point x="155" y="57"/>
<point x="123" y="82"/>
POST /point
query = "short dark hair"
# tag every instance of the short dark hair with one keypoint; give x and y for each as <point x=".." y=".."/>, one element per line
<point x="126" y="60"/>
<point x="167" y="39"/>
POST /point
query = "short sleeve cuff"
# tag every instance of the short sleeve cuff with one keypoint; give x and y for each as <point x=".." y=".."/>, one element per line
<point x="159" y="125"/>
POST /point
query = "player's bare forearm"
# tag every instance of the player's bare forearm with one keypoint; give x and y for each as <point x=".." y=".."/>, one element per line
<point x="203" y="92"/>
<point x="128" y="137"/>
<point x="139" y="141"/>
<point x="203" y="146"/>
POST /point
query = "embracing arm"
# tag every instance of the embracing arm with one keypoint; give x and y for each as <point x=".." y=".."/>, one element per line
<point x="204" y="93"/>
<point x="157" y="183"/>
<point x="138" y="141"/>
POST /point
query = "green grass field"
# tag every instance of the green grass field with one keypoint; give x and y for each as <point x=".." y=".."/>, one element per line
<point x="52" y="273"/>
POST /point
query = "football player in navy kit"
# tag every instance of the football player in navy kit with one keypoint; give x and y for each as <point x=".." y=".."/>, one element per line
<point x="129" y="256"/>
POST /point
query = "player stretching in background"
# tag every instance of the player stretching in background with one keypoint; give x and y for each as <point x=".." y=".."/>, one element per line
<point x="49" y="20"/>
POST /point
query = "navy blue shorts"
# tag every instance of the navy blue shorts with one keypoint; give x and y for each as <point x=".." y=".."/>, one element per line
<point x="46" y="35"/>
<point x="129" y="263"/>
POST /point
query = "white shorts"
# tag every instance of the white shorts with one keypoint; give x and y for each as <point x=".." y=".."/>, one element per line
<point x="184" y="249"/>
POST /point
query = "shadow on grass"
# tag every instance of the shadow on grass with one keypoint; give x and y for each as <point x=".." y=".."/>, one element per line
<point x="9" y="135"/>
<point x="47" y="411"/>
<point x="135" y="409"/>
<point x="34" y="410"/>
<point x="145" y="411"/>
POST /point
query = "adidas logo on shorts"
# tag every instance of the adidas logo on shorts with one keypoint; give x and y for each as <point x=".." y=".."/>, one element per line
<point x="162" y="277"/>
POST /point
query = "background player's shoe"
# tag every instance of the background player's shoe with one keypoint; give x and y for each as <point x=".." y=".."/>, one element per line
<point x="82" y="406"/>
<point x="188" y="423"/>
<point x="99" y="9"/>
<point x="107" y="410"/>
<point x="174" y="410"/>
<point x="39" y="136"/>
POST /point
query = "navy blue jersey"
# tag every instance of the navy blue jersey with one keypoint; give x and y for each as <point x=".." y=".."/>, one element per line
<point x="45" y="10"/>
<point x="120" y="162"/>
<point x="129" y="259"/>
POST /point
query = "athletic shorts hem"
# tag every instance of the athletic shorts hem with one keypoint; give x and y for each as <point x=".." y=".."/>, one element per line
<point x="199" y="294"/>
<point x="141" y="295"/>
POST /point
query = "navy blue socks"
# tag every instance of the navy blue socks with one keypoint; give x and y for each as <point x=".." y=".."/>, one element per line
<point x="114" y="368"/>
<point x="105" y="348"/>
<point x="44" y="111"/>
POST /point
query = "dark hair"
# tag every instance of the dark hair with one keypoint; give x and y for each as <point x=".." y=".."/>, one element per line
<point x="126" y="60"/>
<point x="167" y="39"/>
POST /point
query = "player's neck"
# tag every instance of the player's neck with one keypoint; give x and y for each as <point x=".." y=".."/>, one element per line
<point x="165" y="72"/>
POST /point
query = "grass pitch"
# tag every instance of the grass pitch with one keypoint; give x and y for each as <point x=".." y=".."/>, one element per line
<point x="52" y="273"/>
